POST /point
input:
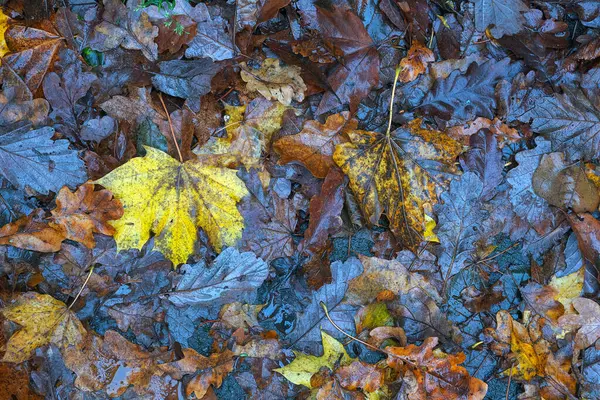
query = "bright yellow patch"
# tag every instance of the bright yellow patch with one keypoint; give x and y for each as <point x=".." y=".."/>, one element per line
<point x="389" y="175"/>
<point x="171" y="199"/>
<point x="569" y="287"/>
<point x="44" y="320"/>
<point x="305" y="366"/>
<point x="3" y="27"/>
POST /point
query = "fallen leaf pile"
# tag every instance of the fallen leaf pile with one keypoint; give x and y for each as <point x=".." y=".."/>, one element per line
<point x="299" y="199"/>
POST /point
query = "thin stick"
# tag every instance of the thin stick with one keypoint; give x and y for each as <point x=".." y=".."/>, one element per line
<point x="171" y="127"/>
<point x="82" y="287"/>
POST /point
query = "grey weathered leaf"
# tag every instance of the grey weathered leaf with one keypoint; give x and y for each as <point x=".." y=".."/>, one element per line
<point x="185" y="78"/>
<point x="124" y="26"/>
<point x="31" y="158"/>
<point x="212" y="39"/>
<point x="97" y="129"/>
<point x="571" y="123"/>
<point x="310" y="322"/>
<point x="232" y="276"/>
<point x="465" y="96"/>
<point x="504" y="15"/>
<point x="527" y="204"/>
<point x="459" y="221"/>
<point x="485" y="159"/>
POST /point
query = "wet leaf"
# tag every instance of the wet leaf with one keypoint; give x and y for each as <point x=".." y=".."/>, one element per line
<point x="43" y="320"/>
<point x="232" y="276"/>
<point x="305" y="366"/>
<point x="313" y="147"/>
<point x="29" y="157"/>
<point x="396" y="174"/>
<point x="172" y="199"/>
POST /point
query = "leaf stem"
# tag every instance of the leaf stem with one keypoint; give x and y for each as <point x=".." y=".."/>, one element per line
<point x="171" y="127"/>
<point x="389" y="127"/>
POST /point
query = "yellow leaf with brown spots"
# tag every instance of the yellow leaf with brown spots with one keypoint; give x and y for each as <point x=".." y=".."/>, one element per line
<point x="44" y="320"/>
<point x="172" y="199"/>
<point x="396" y="174"/>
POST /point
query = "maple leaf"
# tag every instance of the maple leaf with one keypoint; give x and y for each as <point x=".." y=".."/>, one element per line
<point x="313" y="147"/>
<point x="122" y="26"/>
<point x="587" y="322"/>
<point x="273" y="81"/>
<point x="305" y="366"/>
<point x="171" y="199"/>
<point x="3" y="27"/>
<point x="505" y="16"/>
<point x="395" y="174"/>
<point x="85" y="212"/>
<point x="232" y="276"/>
<point x="31" y="158"/>
<point x="434" y="374"/>
<point x="44" y="320"/>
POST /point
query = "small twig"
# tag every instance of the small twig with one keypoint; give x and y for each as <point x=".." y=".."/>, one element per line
<point x="82" y="287"/>
<point x="171" y="127"/>
<point x="509" y="379"/>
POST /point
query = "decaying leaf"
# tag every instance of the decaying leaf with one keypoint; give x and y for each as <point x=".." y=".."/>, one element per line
<point x="43" y="320"/>
<point x="587" y="321"/>
<point x="415" y="62"/>
<point x="395" y="174"/>
<point x="433" y="374"/>
<point x="313" y="147"/>
<point x="231" y="276"/>
<point x="85" y="212"/>
<point x="172" y="199"/>
<point x="276" y="82"/>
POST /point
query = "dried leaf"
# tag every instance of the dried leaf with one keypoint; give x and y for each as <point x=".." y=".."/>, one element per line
<point x="275" y="82"/>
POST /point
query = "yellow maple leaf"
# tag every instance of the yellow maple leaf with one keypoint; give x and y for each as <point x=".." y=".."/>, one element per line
<point x="3" y="27"/>
<point x="44" y="320"/>
<point x="305" y="366"/>
<point x="395" y="174"/>
<point x="171" y="199"/>
<point x="568" y="288"/>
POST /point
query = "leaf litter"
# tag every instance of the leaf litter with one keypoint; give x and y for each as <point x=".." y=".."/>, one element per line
<point x="272" y="199"/>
